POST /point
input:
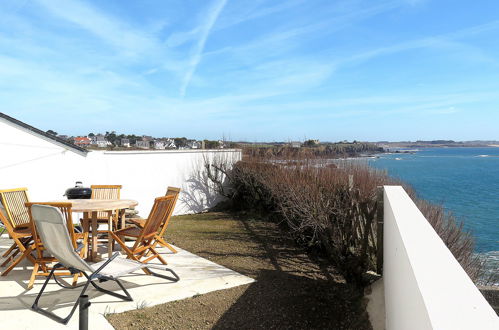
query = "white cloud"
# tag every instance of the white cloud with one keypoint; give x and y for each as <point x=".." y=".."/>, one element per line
<point x="205" y="30"/>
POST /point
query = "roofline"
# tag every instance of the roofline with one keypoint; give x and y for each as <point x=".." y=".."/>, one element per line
<point x="49" y="137"/>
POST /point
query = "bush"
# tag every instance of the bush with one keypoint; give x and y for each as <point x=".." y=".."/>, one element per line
<point x="332" y="207"/>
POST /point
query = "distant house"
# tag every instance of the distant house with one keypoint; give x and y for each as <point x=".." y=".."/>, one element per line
<point x="295" y="144"/>
<point x="142" y="144"/>
<point x="101" y="141"/>
<point x="159" y="145"/>
<point x="170" y="144"/>
<point x="125" y="143"/>
<point x="193" y="144"/>
<point x="82" y="141"/>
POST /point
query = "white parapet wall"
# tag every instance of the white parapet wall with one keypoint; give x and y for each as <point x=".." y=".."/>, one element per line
<point x="425" y="287"/>
<point x="47" y="168"/>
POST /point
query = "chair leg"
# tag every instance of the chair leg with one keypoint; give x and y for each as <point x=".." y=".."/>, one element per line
<point x="176" y="278"/>
<point x="18" y="260"/>
<point x="51" y="315"/>
<point x="162" y="242"/>
<point x="126" y="297"/>
<point x="33" y="276"/>
<point x="10" y="258"/>
<point x="12" y="247"/>
<point x="156" y="254"/>
<point x="75" y="278"/>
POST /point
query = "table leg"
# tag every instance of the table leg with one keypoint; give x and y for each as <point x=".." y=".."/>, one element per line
<point x="85" y="224"/>
<point x="122" y="218"/>
<point x="109" y="237"/>
<point x="93" y="255"/>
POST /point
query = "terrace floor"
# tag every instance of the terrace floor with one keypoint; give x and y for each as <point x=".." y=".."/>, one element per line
<point x="198" y="276"/>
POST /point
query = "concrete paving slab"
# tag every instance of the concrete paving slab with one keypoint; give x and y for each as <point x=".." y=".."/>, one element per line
<point x="197" y="276"/>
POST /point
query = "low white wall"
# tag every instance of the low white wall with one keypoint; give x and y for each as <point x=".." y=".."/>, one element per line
<point x="425" y="287"/>
<point x="47" y="169"/>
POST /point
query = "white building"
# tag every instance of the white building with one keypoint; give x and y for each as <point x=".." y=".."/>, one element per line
<point x="142" y="144"/>
<point x="159" y="145"/>
<point x="193" y="144"/>
<point x="101" y="141"/>
<point x="125" y="143"/>
<point x="170" y="144"/>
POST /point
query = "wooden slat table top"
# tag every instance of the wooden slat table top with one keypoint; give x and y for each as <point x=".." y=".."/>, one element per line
<point x="93" y="205"/>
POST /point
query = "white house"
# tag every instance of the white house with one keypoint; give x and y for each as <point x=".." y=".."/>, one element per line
<point x="193" y="144"/>
<point x="142" y="144"/>
<point x="159" y="145"/>
<point x="125" y="143"/>
<point x="170" y="144"/>
<point x="48" y="165"/>
<point x="101" y="141"/>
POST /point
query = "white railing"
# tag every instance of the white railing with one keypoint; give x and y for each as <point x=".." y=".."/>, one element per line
<point x="425" y="287"/>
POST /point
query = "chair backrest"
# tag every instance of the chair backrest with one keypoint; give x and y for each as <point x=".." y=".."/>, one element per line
<point x="105" y="192"/>
<point x="4" y="222"/>
<point x="171" y="191"/>
<point x="52" y="229"/>
<point x="161" y="210"/>
<point x="13" y="201"/>
<point x="66" y="212"/>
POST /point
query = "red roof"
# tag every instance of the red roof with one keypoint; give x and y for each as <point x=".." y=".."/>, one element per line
<point x="82" y="139"/>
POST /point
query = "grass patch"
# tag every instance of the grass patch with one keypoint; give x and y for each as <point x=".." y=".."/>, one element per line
<point x="291" y="290"/>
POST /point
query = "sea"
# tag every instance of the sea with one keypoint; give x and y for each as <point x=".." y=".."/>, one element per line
<point x="464" y="180"/>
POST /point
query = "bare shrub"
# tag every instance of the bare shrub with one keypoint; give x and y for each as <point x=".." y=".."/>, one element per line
<point x="332" y="207"/>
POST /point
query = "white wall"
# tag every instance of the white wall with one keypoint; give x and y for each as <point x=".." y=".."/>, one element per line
<point x="425" y="287"/>
<point x="48" y="169"/>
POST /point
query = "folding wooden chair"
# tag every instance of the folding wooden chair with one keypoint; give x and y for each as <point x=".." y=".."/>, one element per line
<point x="17" y="222"/>
<point x="20" y="237"/>
<point x="144" y="246"/>
<point x="171" y="191"/>
<point x="43" y="261"/>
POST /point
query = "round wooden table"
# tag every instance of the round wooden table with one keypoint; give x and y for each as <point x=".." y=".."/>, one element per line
<point x="92" y="207"/>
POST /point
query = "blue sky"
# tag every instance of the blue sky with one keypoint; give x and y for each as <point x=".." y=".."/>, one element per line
<point x="254" y="70"/>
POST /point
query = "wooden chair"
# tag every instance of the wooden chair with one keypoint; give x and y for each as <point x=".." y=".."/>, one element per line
<point x="104" y="192"/>
<point x="18" y="222"/>
<point x="21" y="238"/>
<point x="42" y="261"/>
<point x="171" y="191"/>
<point x="146" y="236"/>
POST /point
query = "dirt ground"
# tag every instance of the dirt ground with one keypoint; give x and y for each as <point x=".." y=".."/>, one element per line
<point x="290" y="292"/>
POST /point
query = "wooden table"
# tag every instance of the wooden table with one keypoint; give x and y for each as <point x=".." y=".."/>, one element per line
<point x="93" y="206"/>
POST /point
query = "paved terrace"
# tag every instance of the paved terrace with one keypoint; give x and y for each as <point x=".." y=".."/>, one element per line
<point x="197" y="276"/>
